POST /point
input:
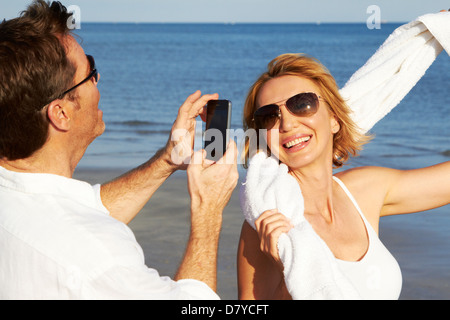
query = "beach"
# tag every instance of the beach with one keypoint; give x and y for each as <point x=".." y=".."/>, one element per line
<point x="142" y="91"/>
<point x="141" y="94"/>
<point x="162" y="229"/>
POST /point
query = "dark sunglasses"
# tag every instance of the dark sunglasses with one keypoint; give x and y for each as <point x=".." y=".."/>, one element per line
<point x="302" y="105"/>
<point x="92" y="74"/>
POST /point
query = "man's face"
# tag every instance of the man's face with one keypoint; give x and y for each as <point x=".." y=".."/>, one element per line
<point x="87" y="117"/>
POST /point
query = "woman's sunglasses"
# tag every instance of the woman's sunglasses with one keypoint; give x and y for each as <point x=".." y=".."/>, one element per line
<point x="302" y="105"/>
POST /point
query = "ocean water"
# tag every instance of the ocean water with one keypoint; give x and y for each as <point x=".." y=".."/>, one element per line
<point x="148" y="70"/>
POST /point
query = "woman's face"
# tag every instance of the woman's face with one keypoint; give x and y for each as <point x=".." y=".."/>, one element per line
<point x="298" y="141"/>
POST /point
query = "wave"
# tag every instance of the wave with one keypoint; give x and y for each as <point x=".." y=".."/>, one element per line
<point x="127" y="132"/>
<point x="446" y="153"/>
<point x="145" y="132"/>
<point x="410" y="155"/>
<point x="141" y="127"/>
<point x="136" y="123"/>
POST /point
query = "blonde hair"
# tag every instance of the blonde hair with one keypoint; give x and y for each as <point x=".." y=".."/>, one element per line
<point x="347" y="141"/>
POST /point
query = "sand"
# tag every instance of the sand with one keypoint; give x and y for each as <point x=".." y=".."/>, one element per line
<point x="162" y="228"/>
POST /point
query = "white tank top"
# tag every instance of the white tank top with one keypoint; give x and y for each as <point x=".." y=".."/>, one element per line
<point x="377" y="275"/>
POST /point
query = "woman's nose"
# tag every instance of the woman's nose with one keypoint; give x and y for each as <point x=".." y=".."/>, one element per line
<point x="288" y="121"/>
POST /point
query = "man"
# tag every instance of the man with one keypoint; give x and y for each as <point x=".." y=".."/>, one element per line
<point x="64" y="239"/>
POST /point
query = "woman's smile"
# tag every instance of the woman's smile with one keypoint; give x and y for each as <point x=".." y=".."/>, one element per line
<point x="296" y="142"/>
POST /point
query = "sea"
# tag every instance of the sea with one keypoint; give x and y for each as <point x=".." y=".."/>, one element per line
<point x="148" y="70"/>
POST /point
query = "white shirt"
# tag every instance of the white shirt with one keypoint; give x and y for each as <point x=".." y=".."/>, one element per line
<point x="58" y="241"/>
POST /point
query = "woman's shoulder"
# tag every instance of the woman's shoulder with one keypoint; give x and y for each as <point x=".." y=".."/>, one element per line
<point x="368" y="185"/>
<point x="364" y="175"/>
<point x="370" y="180"/>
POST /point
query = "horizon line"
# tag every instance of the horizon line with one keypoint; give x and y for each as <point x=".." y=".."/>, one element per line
<point x="241" y="22"/>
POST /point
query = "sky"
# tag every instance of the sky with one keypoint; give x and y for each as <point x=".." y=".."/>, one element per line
<point x="247" y="11"/>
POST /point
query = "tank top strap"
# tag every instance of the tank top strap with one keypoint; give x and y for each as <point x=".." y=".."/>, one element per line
<point x="352" y="199"/>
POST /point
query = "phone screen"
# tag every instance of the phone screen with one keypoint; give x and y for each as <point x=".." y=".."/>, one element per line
<point x="218" y="120"/>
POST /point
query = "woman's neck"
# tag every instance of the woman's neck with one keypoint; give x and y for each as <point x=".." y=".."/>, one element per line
<point x="317" y="190"/>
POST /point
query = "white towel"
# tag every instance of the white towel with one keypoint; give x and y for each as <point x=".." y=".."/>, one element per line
<point x="387" y="77"/>
<point x="310" y="269"/>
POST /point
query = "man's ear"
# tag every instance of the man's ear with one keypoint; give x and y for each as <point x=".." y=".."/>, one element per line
<point x="59" y="114"/>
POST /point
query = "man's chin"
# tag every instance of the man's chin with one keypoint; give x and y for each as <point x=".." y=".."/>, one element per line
<point x="101" y="129"/>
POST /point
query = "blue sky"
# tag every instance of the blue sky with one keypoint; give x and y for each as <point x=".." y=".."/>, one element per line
<point x="238" y="10"/>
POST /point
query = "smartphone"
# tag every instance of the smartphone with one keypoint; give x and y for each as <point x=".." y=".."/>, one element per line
<point x="216" y="134"/>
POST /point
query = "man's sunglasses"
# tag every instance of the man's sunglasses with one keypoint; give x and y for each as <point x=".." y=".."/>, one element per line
<point x="93" y="73"/>
<point x="302" y="105"/>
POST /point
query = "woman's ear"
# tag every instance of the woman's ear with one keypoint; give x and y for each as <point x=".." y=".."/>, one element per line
<point x="335" y="126"/>
<point x="59" y="114"/>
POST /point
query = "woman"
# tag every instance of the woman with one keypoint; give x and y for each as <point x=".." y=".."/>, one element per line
<point x="310" y="130"/>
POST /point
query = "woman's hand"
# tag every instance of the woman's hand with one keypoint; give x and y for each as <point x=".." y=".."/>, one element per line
<point x="269" y="226"/>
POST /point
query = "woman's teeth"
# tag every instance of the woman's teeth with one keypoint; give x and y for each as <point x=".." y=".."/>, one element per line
<point x="292" y="143"/>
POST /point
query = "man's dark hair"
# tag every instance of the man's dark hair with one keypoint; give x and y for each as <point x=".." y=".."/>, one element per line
<point x="34" y="70"/>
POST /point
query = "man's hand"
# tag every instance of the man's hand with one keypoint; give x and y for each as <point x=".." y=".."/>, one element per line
<point x="126" y="195"/>
<point x="210" y="187"/>
<point x="179" y="147"/>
